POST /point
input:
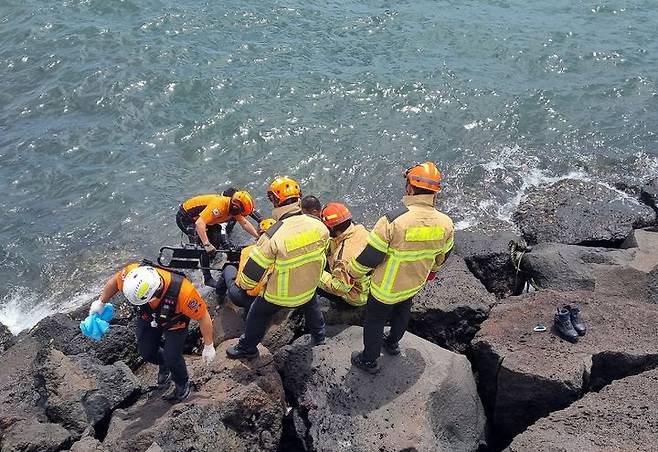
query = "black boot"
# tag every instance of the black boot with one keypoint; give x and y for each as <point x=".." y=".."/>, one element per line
<point x="392" y="348"/>
<point x="368" y="366"/>
<point x="576" y="320"/>
<point x="564" y="327"/>
<point x="179" y="393"/>
<point x="220" y="288"/>
<point x="208" y="280"/>
<point x="164" y="376"/>
<point x="237" y="352"/>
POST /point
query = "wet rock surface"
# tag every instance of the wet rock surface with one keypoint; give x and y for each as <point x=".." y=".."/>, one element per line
<point x="488" y="258"/>
<point x="622" y="416"/>
<point x="449" y="310"/>
<point x="424" y="399"/>
<point x="580" y="213"/>
<point x="649" y="194"/>
<point x="6" y="338"/>
<point x="236" y="405"/>
<point x="526" y="375"/>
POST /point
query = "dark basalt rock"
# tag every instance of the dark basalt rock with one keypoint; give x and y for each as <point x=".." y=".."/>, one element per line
<point x="449" y="310"/>
<point x="580" y="213"/>
<point x="488" y="258"/>
<point x="623" y="416"/>
<point x="524" y="375"/>
<point x="423" y="399"/>
<point x="236" y="405"/>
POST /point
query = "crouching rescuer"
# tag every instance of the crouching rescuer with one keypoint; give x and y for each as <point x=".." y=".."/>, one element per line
<point x="294" y="248"/>
<point x="166" y="301"/>
<point x="405" y="249"/>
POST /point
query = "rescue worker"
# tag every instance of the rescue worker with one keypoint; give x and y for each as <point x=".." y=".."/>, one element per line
<point x="405" y="249"/>
<point x="230" y="224"/>
<point x="347" y="241"/>
<point x="166" y="301"/>
<point x="200" y="218"/>
<point x="295" y="248"/>
<point x="311" y="206"/>
<point x="231" y="275"/>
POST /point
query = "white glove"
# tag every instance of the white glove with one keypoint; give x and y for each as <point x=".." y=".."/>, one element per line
<point x="97" y="307"/>
<point x="208" y="353"/>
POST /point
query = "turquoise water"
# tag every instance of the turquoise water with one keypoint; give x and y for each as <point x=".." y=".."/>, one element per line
<point x="112" y="112"/>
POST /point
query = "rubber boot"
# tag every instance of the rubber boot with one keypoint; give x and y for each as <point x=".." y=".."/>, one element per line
<point x="367" y="366"/>
<point x="576" y="319"/>
<point x="391" y="348"/>
<point x="564" y="327"/>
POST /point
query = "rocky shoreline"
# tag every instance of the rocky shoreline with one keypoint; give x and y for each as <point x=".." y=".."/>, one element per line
<point x="473" y="375"/>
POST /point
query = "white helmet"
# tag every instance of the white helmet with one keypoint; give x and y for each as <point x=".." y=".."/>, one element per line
<point x="140" y="284"/>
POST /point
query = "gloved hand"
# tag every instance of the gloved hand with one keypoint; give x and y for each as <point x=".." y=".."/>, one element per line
<point x="208" y="353"/>
<point x="210" y="248"/>
<point x="431" y="276"/>
<point x="97" y="307"/>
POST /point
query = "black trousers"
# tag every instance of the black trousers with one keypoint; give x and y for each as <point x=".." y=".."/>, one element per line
<point x="215" y="236"/>
<point x="377" y="314"/>
<point x="262" y="311"/>
<point x="238" y="295"/>
<point x="169" y="353"/>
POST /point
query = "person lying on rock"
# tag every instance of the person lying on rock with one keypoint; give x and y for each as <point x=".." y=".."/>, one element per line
<point x="405" y="249"/>
<point x="347" y="241"/>
<point x="230" y="280"/>
<point x="167" y="301"/>
<point x="295" y="249"/>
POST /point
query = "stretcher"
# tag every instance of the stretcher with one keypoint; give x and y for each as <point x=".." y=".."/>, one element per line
<point x="188" y="257"/>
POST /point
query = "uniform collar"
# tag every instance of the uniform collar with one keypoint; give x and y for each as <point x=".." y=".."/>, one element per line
<point x="345" y="234"/>
<point x="279" y="213"/>
<point x="418" y="200"/>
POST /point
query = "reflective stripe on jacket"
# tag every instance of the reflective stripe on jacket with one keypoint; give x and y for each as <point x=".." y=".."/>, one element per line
<point x="244" y="256"/>
<point x="342" y="250"/>
<point x="295" y="248"/>
<point x="403" y="248"/>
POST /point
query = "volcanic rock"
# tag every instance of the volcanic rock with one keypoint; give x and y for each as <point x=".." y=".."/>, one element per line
<point x="488" y="258"/>
<point x="6" y="338"/>
<point x="525" y="375"/>
<point x="622" y="416"/>
<point x="580" y="213"/>
<point x="649" y="194"/>
<point x="449" y="310"/>
<point x="423" y="399"/>
<point x="237" y="405"/>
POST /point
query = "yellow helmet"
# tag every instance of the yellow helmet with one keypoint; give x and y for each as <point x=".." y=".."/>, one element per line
<point x="264" y="225"/>
<point x="283" y="188"/>
<point x="245" y="202"/>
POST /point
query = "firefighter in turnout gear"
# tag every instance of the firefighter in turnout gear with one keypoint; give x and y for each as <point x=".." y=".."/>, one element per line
<point x="166" y="301"/>
<point x="347" y="241"/>
<point x="405" y="249"/>
<point x="294" y="248"/>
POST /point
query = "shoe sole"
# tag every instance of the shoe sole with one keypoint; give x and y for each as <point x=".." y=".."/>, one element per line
<point x="250" y="356"/>
<point x="392" y="352"/>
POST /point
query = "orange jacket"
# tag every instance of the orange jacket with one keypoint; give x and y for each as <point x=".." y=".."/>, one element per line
<point x="190" y="304"/>
<point x="214" y="209"/>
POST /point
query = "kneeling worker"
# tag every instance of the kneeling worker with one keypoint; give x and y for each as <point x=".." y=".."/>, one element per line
<point x="295" y="248"/>
<point x="167" y="301"/>
<point x="231" y="275"/>
<point x="405" y="249"/>
<point x="347" y="241"/>
<point x="200" y="218"/>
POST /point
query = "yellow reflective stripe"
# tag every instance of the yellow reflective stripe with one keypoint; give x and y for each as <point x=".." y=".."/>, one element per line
<point x="415" y="254"/>
<point x="260" y="258"/>
<point x="448" y="246"/>
<point x="390" y="272"/>
<point x="377" y="242"/>
<point x="299" y="260"/>
<point x="424" y="233"/>
<point x="247" y="281"/>
<point x="392" y="297"/>
<point x="290" y="301"/>
<point x="340" y="286"/>
<point x="301" y="240"/>
<point x="356" y="269"/>
<point x="280" y="283"/>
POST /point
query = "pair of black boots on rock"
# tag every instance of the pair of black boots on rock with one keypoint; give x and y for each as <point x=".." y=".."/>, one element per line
<point x="569" y="324"/>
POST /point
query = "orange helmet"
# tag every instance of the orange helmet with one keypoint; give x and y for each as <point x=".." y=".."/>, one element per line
<point x="264" y="225"/>
<point x="283" y="188"/>
<point x="246" y="202"/>
<point x="424" y="175"/>
<point x="334" y="214"/>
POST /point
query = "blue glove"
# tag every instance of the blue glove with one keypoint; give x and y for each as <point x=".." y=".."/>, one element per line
<point x="95" y="326"/>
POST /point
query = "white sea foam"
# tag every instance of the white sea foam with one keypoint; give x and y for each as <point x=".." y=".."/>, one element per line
<point x="22" y="308"/>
